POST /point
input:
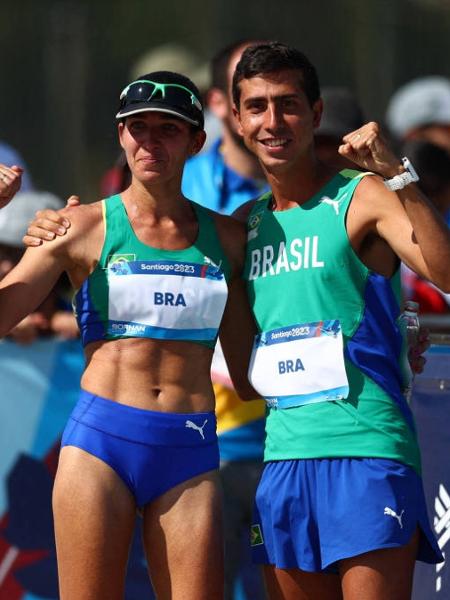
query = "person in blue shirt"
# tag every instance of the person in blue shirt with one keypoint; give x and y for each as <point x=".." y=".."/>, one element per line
<point x="227" y="175"/>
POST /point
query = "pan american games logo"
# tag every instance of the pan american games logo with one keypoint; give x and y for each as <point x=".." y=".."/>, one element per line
<point x="441" y="527"/>
<point x="118" y="263"/>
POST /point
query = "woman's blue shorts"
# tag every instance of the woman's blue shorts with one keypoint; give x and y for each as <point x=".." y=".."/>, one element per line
<point x="151" y="451"/>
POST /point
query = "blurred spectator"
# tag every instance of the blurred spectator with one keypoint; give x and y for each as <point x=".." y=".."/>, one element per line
<point x="432" y="164"/>
<point x="227" y="175"/>
<point x="10" y="156"/>
<point x="341" y="114"/>
<point x="173" y="57"/>
<point x="421" y="110"/>
<point x="53" y="317"/>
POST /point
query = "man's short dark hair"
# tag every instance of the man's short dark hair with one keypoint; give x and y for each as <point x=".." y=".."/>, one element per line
<point x="270" y="57"/>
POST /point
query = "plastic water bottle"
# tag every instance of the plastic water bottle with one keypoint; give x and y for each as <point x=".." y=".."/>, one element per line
<point x="409" y="326"/>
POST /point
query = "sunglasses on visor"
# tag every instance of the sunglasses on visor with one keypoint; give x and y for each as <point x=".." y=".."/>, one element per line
<point x="144" y="90"/>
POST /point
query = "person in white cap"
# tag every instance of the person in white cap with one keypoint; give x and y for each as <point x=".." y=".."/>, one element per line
<point x="421" y="110"/>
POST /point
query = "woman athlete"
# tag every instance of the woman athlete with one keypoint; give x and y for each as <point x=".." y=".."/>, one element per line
<point x="154" y="273"/>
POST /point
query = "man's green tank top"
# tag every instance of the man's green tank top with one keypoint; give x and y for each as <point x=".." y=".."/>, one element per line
<point x="140" y="291"/>
<point x="308" y="289"/>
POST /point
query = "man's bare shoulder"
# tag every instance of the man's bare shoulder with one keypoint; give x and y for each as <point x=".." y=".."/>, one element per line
<point x="231" y="231"/>
<point x="242" y="212"/>
<point x="232" y="237"/>
<point x="372" y="199"/>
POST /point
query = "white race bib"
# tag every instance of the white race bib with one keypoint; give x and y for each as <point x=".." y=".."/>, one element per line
<point x="299" y="364"/>
<point x="166" y="299"/>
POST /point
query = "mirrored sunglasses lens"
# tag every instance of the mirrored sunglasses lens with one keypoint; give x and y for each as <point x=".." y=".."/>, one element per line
<point x="179" y="97"/>
<point x="139" y="92"/>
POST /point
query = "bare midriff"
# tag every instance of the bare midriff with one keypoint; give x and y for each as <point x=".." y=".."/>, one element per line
<point x="160" y="375"/>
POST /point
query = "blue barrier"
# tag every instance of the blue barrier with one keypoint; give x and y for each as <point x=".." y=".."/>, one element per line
<point x="39" y="387"/>
<point x="431" y="406"/>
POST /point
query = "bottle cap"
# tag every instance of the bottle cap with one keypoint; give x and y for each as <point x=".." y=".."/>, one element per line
<point x="412" y="306"/>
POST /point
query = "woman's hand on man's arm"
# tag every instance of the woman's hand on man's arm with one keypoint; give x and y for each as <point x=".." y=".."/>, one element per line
<point x="48" y="224"/>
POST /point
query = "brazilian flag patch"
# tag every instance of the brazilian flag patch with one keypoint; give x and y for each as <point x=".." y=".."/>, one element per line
<point x="117" y="263"/>
<point x="256" y="538"/>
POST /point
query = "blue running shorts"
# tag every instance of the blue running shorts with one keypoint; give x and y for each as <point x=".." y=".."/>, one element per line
<point x="311" y="513"/>
<point x="151" y="451"/>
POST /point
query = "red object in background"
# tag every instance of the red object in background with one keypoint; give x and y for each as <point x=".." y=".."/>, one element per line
<point x="429" y="298"/>
<point x="116" y="179"/>
<point x="12" y="559"/>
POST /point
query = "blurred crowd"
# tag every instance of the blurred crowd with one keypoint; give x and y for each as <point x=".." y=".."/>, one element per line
<point x="223" y="176"/>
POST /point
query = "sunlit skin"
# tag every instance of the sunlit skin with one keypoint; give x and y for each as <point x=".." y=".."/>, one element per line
<point x="278" y="121"/>
<point x="156" y="146"/>
<point x="10" y="181"/>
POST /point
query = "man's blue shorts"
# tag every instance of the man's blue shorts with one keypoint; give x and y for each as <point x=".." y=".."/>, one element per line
<point x="309" y="514"/>
<point x="151" y="451"/>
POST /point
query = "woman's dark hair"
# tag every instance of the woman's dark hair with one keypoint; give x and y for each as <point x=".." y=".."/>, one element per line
<point x="270" y="57"/>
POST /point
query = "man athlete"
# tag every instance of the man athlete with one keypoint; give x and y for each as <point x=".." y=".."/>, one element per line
<point x="340" y="510"/>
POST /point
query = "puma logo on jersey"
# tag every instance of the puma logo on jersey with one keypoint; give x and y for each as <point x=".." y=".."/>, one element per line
<point x="333" y="203"/>
<point x="192" y="425"/>
<point x="389" y="511"/>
